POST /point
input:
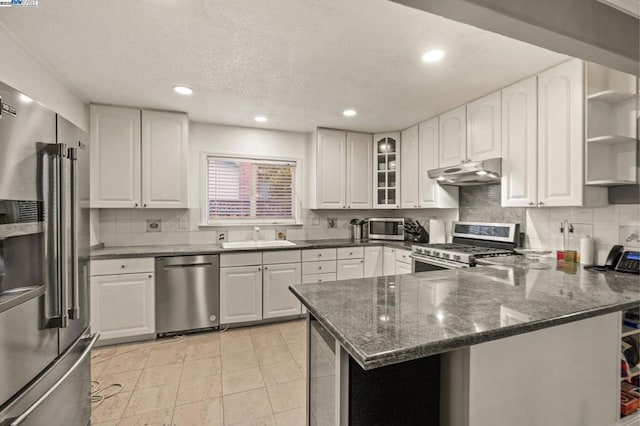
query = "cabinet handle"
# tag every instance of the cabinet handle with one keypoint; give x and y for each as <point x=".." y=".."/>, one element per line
<point x="319" y="267"/>
<point x="531" y="203"/>
<point x="348" y="207"/>
<point x="136" y="205"/>
<point x="320" y="280"/>
<point x="150" y="276"/>
<point x="122" y="266"/>
<point x="259" y="269"/>
<point x="144" y="205"/>
<point x="266" y="269"/>
<point x="350" y="253"/>
<point x="319" y="254"/>
<point x="540" y="203"/>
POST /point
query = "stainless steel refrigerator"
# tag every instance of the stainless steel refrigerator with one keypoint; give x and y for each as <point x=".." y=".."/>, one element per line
<point x="45" y="341"/>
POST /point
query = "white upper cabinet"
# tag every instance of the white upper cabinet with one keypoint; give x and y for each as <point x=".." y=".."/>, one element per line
<point x="139" y="159"/>
<point x="409" y="173"/>
<point x="483" y="128"/>
<point x="386" y="163"/>
<point x="165" y="153"/>
<point x="359" y="173"/>
<point x="519" y="144"/>
<point x="340" y="174"/>
<point x="453" y="137"/>
<point x="331" y="172"/>
<point x="561" y="135"/>
<point x="115" y="156"/>
<point x="430" y="193"/>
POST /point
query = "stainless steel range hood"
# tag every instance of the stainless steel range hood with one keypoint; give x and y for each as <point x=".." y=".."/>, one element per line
<point x="473" y="173"/>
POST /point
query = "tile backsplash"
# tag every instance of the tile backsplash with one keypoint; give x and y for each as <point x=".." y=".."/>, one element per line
<point x="128" y="227"/>
<point x="482" y="203"/>
<point x="608" y="226"/>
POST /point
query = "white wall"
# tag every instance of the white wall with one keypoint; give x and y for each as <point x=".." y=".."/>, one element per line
<point x="23" y="72"/>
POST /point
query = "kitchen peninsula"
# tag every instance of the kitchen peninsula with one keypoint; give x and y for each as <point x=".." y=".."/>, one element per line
<point x="493" y="345"/>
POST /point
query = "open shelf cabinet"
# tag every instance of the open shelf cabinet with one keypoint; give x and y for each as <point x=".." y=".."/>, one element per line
<point x="611" y="127"/>
<point x="632" y="418"/>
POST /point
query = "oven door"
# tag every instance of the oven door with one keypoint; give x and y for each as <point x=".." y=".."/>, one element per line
<point x="425" y="264"/>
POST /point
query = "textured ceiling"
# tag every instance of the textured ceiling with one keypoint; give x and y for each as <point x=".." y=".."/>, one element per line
<point x="300" y="62"/>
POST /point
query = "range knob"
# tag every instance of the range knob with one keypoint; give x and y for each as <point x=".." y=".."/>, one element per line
<point x="446" y="255"/>
<point x="456" y="257"/>
<point x="427" y="252"/>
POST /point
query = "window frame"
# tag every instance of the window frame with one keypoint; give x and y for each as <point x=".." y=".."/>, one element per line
<point x="204" y="195"/>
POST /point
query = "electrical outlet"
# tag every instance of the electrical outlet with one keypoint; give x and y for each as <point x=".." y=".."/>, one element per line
<point x="183" y="222"/>
<point x="154" y="225"/>
<point x="222" y="236"/>
<point x="332" y="222"/>
<point x="281" y="234"/>
<point x="314" y="220"/>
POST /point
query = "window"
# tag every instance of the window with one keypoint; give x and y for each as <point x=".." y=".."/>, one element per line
<point x="243" y="190"/>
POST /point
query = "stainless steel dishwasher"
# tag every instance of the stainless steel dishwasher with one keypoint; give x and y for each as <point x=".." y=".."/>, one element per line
<point x="187" y="293"/>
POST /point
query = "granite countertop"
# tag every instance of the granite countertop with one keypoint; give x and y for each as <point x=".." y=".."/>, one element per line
<point x="387" y="320"/>
<point x="188" y="249"/>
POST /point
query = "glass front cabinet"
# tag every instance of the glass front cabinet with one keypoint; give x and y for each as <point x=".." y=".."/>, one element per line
<point x="386" y="170"/>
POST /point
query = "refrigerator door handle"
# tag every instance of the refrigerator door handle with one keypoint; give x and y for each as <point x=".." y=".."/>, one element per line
<point x="18" y="420"/>
<point x="74" y="311"/>
<point x="63" y="269"/>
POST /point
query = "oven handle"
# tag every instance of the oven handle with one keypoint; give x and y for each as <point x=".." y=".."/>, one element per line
<point x="432" y="261"/>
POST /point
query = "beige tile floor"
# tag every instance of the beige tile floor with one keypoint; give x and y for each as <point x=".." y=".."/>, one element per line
<point x="248" y="376"/>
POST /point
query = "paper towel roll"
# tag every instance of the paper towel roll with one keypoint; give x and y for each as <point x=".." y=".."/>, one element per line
<point x="586" y="250"/>
<point x="436" y="231"/>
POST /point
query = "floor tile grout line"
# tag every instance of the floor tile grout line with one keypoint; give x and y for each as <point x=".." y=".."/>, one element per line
<point x="173" y="408"/>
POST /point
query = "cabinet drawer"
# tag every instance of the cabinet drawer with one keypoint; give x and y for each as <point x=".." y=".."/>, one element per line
<point x="122" y="266"/>
<point x="318" y="267"/>
<point x="284" y="256"/>
<point x="403" y="256"/>
<point x="351" y="253"/>
<point x="318" y="278"/>
<point x="241" y="259"/>
<point x="318" y="254"/>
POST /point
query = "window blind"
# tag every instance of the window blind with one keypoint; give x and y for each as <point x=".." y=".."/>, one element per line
<point x="246" y="189"/>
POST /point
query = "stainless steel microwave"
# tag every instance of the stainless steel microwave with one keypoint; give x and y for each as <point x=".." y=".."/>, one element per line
<point x="386" y="228"/>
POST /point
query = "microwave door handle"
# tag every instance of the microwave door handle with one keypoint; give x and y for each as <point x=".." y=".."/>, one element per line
<point x="74" y="311"/>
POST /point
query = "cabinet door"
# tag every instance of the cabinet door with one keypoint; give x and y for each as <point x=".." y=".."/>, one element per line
<point x="452" y="143"/>
<point x="164" y="159"/>
<point x="386" y="180"/>
<point x="350" y="269"/>
<point x="484" y="128"/>
<point x="123" y="305"/>
<point x="519" y="144"/>
<point x="330" y="172"/>
<point x="403" y="268"/>
<point x="359" y="173"/>
<point x="389" y="261"/>
<point x="373" y="261"/>
<point x="431" y="194"/>
<point x="240" y="294"/>
<point x="409" y="176"/>
<point x="278" y="301"/>
<point x="561" y="135"/>
<point x="115" y="156"/>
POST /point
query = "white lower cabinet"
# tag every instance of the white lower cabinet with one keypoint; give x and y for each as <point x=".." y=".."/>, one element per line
<point x="123" y="304"/>
<point x="389" y="261"/>
<point x="403" y="262"/>
<point x="318" y="278"/>
<point x="373" y="261"/>
<point x="278" y="301"/>
<point x="240" y="294"/>
<point x="403" y="268"/>
<point x="350" y="269"/>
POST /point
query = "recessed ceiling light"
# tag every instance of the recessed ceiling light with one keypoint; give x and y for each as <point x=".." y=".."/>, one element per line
<point x="25" y="99"/>
<point x="433" y="56"/>
<point x="481" y="172"/>
<point x="349" y="112"/>
<point x="183" y="90"/>
<point x="260" y="118"/>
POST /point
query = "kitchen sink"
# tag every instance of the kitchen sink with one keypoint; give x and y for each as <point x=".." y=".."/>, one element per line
<point x="257" y="244"/>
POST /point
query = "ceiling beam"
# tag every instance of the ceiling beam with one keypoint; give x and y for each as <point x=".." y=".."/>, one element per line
<point x="585" y="29"/>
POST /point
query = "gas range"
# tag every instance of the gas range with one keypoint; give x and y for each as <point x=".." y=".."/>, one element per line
<point x="471" y="241"/>
<point x="459" y="252"/>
